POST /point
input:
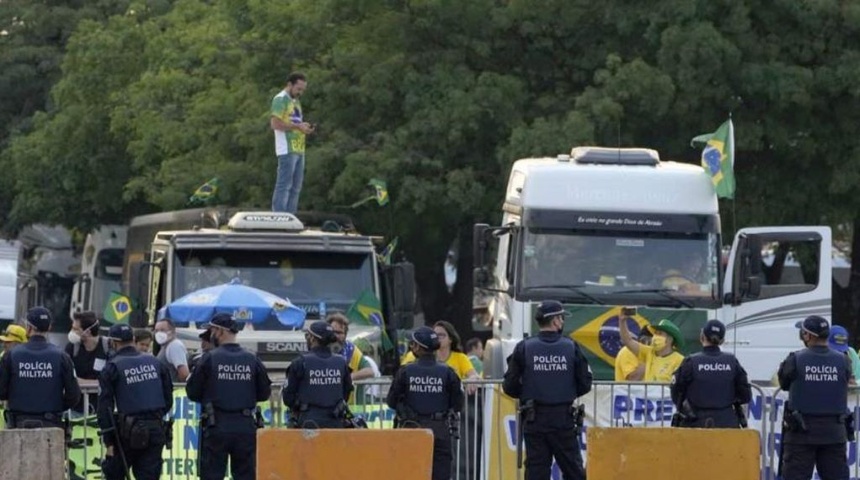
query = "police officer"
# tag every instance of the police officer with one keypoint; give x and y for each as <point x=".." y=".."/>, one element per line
<point x="709" y="387"/>
<point x="428" y="394"/>
<point x="547" y="373"/>
<point x="228" y="382"/>
<point x="37" y="378"/>
<point x="318" y="383"/>
<point x="141" y="388"/>
<point x="814" y="426"/>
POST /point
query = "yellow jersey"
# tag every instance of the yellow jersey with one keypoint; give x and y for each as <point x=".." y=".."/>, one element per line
<point x="625" y="363"/>
<point x="657" y="368"/>
<point x="458" y="361"/>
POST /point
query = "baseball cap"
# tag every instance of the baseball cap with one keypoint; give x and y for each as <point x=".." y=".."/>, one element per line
<point x="14" y="333"/>
<point x="39" y="318"/>
<point x="550" y="308"/>
<point x="322" y="330"/>
<point x="225" y="321"/>
<point x="814" y="325"/>
<point x="838" y="338"/>
<point x="714" y="327"/>
<point x="426" y="337"/>
<point x="121" y="333"/>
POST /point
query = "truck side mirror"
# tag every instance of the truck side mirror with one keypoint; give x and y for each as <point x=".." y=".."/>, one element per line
<point x="480" y="276"/>
<point x="753" y="287"/>
<point x="401" y="283"/>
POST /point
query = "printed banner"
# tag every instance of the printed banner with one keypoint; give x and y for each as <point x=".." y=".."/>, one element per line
<point x="637" y="406"/>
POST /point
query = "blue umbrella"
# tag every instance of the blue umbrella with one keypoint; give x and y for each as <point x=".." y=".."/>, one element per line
<point x="246" y="304"/>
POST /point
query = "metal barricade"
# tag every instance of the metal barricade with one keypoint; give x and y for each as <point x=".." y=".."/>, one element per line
<point x="487" y="426"/>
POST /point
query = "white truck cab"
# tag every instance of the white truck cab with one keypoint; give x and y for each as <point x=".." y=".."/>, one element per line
<point x="603" y="228"/>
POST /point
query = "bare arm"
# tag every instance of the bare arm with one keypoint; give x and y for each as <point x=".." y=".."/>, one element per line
<point x="182" y="373"/>
<point x="626" y="339"/>
<point x="366" y="372"/>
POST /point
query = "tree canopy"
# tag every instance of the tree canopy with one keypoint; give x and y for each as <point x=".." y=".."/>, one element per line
<point x="437" y="97"/>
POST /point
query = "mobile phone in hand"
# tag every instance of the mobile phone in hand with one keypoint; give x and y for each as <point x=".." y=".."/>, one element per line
<point x="628" y="311"/>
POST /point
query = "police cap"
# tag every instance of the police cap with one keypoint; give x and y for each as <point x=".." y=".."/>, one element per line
<point x="323" y="331"/>
<point x="39" y="318"/>
<point x="426" y="337"/>
<point x="121" y="333"/>
<point x="714" y="328"/>
<point x="548" y="309"/>
<point x="225" y="321"/>
<point x="815" y="325"/>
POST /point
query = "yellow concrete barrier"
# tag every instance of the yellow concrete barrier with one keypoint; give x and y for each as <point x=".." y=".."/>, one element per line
<point x="628" y="453"/>
<point x="354" y="454"/>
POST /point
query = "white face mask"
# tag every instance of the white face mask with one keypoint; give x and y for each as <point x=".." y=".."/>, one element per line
<point x="161" y="337"/>
<point x="74" y="338"/>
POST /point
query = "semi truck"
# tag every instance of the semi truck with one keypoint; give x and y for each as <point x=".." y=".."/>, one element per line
<point x="101" y="269"/>
<point x="603" y="228"/>
<point x="320" y="267"/>
<point x="47" y="267"/>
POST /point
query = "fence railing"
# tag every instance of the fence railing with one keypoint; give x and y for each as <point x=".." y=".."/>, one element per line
<point x="487" y="443"/>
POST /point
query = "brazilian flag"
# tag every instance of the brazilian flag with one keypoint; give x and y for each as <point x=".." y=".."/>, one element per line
<point x="367" y="310"/>
<point x="718" y="158"/>
<point x="387" y="253"/>
<point x="118" y="308"/>
<point x="381" y="189"/>
<point x="205" y="193"/>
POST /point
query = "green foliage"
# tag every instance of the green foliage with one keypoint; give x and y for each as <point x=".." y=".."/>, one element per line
<point x="437" y="97"/>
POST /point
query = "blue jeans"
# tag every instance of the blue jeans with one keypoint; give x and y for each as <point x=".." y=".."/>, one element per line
<point x="288" y="185"/>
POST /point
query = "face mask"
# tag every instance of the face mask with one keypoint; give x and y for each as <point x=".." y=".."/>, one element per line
<point x="658" y="342"/>
<point x="74" y="338"/>
<point x="161" y="337"/>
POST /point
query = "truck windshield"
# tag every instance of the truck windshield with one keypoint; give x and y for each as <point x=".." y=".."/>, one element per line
<point x="620" y="267"/>
<point x="314" y="281"/>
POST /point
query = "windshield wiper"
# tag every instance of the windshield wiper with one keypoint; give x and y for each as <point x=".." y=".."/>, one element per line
<point x="573" y="288"/>
<point x="663" y="292"/>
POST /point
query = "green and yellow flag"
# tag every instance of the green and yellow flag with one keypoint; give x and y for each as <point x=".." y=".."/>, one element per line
<point x="118" y="308"/>
<point x="367" y="310"/>
<point x="381" y="191"/>
<point x="205" y="193"/>
<point x="718" y="158"/>
<point x="386" y="254"/>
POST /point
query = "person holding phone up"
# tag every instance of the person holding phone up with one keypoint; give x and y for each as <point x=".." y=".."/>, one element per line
<point x="662" y="357"/>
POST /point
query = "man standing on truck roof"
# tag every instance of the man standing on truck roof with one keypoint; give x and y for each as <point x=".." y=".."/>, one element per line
<point x="290" y="130"/>
<point x="662" y="357"/>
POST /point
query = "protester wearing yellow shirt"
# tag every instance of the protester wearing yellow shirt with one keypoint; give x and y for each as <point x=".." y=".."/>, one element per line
<point x="358" y="365"/>
<point x="661" y="358"/>
<point x="450" y="353"/>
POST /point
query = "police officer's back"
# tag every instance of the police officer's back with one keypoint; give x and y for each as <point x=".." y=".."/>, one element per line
<point x="428" y="394"/>
<point x="318" y="383"/>
<point x="140" y="388"/>
<point x="547" y="373"/>
<point x="37" y="378"/>
<point x="228" y="381"/>
<point x="709" y="387"/>
<point x="814" y="426"/>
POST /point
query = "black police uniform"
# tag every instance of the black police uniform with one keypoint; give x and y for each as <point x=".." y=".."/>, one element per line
<point x="711" y="382"/>
<point x="228" y="382"/>
<point x="38" y="380"/>
<point x="423" y="393"/>
<point x="817" y="381"/>
<point x="318" y="383"/>
<point x="551" y="371"/>
<point x="141" y="388"/>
